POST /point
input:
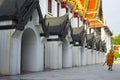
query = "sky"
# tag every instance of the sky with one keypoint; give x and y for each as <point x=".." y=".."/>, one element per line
<point x="111" y="13"/>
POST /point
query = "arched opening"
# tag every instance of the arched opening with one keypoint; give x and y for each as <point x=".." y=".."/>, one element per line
<point x="28" y="51"/>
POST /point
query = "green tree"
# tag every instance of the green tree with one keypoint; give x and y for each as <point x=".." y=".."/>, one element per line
<point x="116" y="55"/>
<point x="116" y="40"/>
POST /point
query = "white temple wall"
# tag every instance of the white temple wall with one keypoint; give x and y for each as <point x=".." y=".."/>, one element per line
<point x="5" y="48"/>
<point x="62" y="11"/>
<point x="89" y="56"/>
<point x="76" y="56"/>
<point x="74" y="22"/>
<point x="43" y="6"/>
<point x="96" y="57"/>
<point x="99" y="58"/>
<point x="103" y="57"/>
<point x="11" y="47"/>
<point x="33" y="53"/>
<point x="57" y="54"/>
<point x="83" y="56"/>
<point x="53" y="55"/>
<point x="66" y="54"/>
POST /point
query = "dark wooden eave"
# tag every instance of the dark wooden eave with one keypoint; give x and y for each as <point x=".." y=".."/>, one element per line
<point x="103" y="46"/>
<point x="58" y="26"/>
<point x="90" y="41"/>
<point x="79" y="35"/>
<point x="19" y="11"/>
<point x="97" y="42"/>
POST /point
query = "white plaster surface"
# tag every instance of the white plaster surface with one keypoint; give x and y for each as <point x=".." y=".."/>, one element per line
<point x="76" y="56"/>
<point x="53" y="54"/>
<point x="89" y="56"/>
<point x="11" y="50"/>
<point x="66" y="54"/>
<point x="84" y="55"/>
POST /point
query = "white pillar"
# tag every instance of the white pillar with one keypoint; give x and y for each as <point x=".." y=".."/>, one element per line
<point x="94" y="57"/>
<point x="84" y="55"/>
<point x="80" y="55"/>
<point x="5" y="48"/>
<point x="67" y="56"/>
<point x="53" y="55"/>
<point x="76" y="55"/>
<point x="15" y="58"/>
<point x="89" y="56"/>
<point x="100" y="57"/>
<point x="103" y="57"/>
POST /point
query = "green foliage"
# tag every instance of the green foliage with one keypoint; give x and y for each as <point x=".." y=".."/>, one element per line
<point x="116" y="55"/>
<point x="116" y="40"/>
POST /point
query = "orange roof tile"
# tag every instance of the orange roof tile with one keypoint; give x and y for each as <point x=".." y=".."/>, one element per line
<point x="91" y="15"/>
<point x="96" y="23"/>
<point x="84" y="3"/>
<point x="93" y="5"/>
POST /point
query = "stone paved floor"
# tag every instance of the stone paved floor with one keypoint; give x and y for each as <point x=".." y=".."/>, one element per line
<point x="90" y="72"/>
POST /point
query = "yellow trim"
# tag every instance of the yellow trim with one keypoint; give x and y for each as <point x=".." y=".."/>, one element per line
<point x="77" y="6"/>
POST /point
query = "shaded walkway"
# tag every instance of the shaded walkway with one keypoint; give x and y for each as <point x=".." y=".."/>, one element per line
<point x="91" y="72"/>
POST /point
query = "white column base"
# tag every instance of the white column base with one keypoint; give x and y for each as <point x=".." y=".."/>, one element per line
<point x="89" y="56"/>
<point x="67" y="56"/>
<point x="53" y="55"/>
<point x="76" y="56"/>
<point x="84" y="56"/>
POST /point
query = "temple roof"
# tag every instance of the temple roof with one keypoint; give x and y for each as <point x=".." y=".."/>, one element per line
<point x="7" y="7"/>
<point x="90" y="36"/>
<point x="77" y="30"/>
<point x="84" y="3"/>
<point x="56" y="21"/>
<point x="58" y="25"/>
<point x="79" y="35"/>
<point x="17" y="12"/>
<point x="76" y="6"/>
<point x="10" y="8"/>
<point x="89" y="9"/>
<point x="94" y="13"/>
<point x="96" y="23"/>
<point x="93" y="5"/>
